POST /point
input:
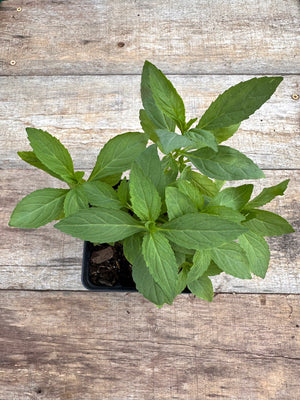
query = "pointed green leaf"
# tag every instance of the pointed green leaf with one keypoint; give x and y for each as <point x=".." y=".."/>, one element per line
<point x="75" y="200"/>
<point x="38" y="208"/>
<point x="192" y="192"/>
<point x="182" y="280"/>
<point x="123" y="192"/>
<point x="51" y="152"/>
<point x="171" y="169"/>
<point x="201" y="262"/>
<point x="171" y="141"/>
<point x="233" y="197"/>
<point x="227" y="164"/>
<point x="267" y="195"/>
<point x="166" y="97"/>
<point x="202" y="138"/>
<point x="257" y="252"/>
<point x="112" y="180"/>
<point x="148" y="126"/>
<point x="152" y="167"/>
<point x="189" y="124"/>
<point x="202" y="288"/>
<point x="222" y="134"/>
<point x="266" y="223"/>
<point x="178" y="203"/>
<point x="232" y="259"/>
<point x="145" y="284"/>
<point x="100" y="225"/>
<point x="239" y="102"/>
<point x="145" y="199"/>
<point x="161" y="261"/>
<point x="213" y="269"/>
<point x="118" y="154"/>
<point x="100" y="194"/>
<point x="206" y="186"/>
<point x="159" y="119"/>
<point x="201" y="231"/>
<point x="79" y="175"/>
<point x="31" y="158"/>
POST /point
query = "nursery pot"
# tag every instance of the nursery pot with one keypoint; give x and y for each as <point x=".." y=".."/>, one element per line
<point x="105" y="268"/>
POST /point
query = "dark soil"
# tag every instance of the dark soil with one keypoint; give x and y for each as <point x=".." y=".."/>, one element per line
<point x="109" y="267"/>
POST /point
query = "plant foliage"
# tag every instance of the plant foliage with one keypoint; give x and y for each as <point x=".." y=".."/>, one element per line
<point x="178" y="226"/>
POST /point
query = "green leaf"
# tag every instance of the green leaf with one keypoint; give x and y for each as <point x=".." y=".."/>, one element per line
<point x="227" y="164"/>
<point x="118" y="154"/>
<point x="153" y="112"/>
<point x="232" y="259"/>
<point x="239" y="102"/>
<point x="161" y="261"/>
<point x="201" y="231"/>
<point x="178" y="203"/>
<point x="51" y="152"/>
<point x="75" y="200"/>
<point x="202" y="138"/>
<point x="202" y="288"/>
<point x="222" y="134"/>
<point x="145" y="284"/>
<point x="100" y="194"/>
<point x="182" y="278"/>
<point x="266" y="223"/>
<point x="191" y="192"/>
<point x="123" y="192"/>
<point x="206" y="186"/>
<point x="171" y="141"/>
<point x="38" y="208"/>
<point x="257" y="252"/>
<point x="212" y="270"/>
<point x="31" y="158"/>
<point x="112" y="180"/>
<point x="189" y="124"/>
<point x="225" y="212"/>
<point x="171" y="170"/>
<point x="79" y="175"/>
<point x="165" y="96"/>
<point x="100" y="225"/>
<point x="145" y="199"/>
<point x="152" y="167"/>
<point x="148" y="126"/>
<point x="201" y="261"/>
<point x="267" y="195"/>
<point x="233" y="197"/>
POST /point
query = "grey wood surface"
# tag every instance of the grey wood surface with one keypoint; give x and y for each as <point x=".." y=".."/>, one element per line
<point x="73" y="68"/>
<point x="66" y="345"/>
<point x="115" y="37"/>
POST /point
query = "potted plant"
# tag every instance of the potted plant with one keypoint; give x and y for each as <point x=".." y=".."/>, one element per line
<point x="169" y="226"/>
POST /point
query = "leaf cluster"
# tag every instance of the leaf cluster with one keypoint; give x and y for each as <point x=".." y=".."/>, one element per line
<point x="178" y="226"/>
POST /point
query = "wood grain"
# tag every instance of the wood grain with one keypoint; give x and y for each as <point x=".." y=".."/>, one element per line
<point x="46" y="259"/>
<point x="63" y="345"/>
<point x="84" y="112"/>
<point x="92" y="37"/>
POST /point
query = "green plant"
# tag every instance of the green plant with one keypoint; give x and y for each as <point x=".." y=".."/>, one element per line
<point x="178" y="227"/>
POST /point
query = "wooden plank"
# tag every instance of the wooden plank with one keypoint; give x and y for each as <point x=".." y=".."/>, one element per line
<point x="84" y="112"/>
<point x="62" y="345"/>
<point x="46" y="259"/>
<point x="61" y="38"/>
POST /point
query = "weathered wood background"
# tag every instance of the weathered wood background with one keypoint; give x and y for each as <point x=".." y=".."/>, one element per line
<point x="73" y="68"/>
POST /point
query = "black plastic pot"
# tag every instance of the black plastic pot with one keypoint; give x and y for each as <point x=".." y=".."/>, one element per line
<point x="85" y="275"/>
